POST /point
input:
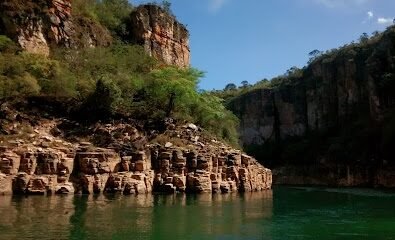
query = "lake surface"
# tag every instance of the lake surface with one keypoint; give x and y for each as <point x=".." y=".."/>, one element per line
<point x="284" y="213"/>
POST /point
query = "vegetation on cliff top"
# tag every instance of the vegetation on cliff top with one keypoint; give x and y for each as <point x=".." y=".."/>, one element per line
<point x="295" y="74"/>
<point x="358" y="138"/>
<point x="120" y="80"/>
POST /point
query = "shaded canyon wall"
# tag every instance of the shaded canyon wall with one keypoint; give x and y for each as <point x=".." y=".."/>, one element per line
<point x="330" y="126"/>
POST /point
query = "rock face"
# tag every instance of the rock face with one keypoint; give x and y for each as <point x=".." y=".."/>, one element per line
<point x="38" y="25"/>
<point x="162" y="36"/>
<point x="329" y="93"/>
<point x="118" y="158"/>
<point x="336" y="93"/>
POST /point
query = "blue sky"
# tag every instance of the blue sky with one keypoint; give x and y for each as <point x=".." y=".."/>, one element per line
<point x="237" y="40"/>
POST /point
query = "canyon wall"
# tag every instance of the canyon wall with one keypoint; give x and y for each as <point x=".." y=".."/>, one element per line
<point x="162" y="36"/>
<point x="37" y="26"/>
<point x="341" y="99"/>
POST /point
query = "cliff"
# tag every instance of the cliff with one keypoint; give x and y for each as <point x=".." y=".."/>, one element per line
<point x="333" y="123"/>
<point x="38" y="26"/>
<point x="162" y="36"/>
<point x="41" y="26"/>
<point x="42" y="153"/>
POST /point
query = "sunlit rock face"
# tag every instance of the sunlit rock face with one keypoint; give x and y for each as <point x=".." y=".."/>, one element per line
<point x="91" y="170"/>
<point x="162" y="36"/>
<point x="119" y="158"/>
<point x="38" y="25"/>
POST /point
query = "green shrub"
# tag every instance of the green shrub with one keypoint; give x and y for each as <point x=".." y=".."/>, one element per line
<point x="85" y="8"/>
<point x="27" y="74"/>
<point x="114" y="14"/>
<point x="18" y="86"/>
<point x="118" y="80"/>
<point x="6" y="44"/>
<point x="102" y="103"/>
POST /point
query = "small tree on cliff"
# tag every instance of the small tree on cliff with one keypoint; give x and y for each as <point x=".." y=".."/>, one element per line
<point x="314" y="55"/>
<point x="167" y="6"/>
<point x="245" y="84"/>
<point x="230" y="87"/>
<point x="364" y="38"/>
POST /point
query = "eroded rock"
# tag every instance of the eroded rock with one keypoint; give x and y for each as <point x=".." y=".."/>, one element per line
<point x="66" y="168"/>
<point x="162" y="36"/>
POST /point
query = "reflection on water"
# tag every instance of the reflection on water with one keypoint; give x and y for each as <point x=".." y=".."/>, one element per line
<point x="230" y="216"/>
<point x="311" y="213"/>
<point x="285" y="213"/>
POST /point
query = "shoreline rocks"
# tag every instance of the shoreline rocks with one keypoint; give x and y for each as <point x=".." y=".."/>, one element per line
<point x="179" y="159"/>
<point x="99" y="170"/>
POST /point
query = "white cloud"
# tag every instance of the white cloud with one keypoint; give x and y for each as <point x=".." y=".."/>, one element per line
<point x="369" y="17"/>
<point x="340" y="3"/>
<point x="385" y="21"/>
<point x="216" y="5"/>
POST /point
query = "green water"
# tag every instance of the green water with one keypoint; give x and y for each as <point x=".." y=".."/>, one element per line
<point x="284" y="213"/>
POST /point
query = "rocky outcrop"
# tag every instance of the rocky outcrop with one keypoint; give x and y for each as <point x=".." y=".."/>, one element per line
<point x="50" y="157"/>
<point x="339" y="105"/>
<point x="332" y="89"/>
<point x="162" y="36"/>
<point x="38" y="25"/>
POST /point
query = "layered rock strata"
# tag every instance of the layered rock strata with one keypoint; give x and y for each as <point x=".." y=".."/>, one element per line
<point x="162" y="36"/>
<point x="331" y="91"/>
<point x="37" y="26"/>
<point x="97" y="170"/>
<point x="330" y="125"/>
<point x="42" y="160"/>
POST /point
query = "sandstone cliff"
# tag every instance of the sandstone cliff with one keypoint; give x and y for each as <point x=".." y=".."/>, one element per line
<point x="162" y="36"/>
<point x="38" y="25"/>
<point x="41" y="153"/>
<point x="333" y="124"/>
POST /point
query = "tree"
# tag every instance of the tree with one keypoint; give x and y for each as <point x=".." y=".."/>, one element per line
<point x="244" y="84"/>
<point x="114" y="15"/>
<point x="170" y="92"/>
<point x="102" y="103"/>
<point x="230" y="87"/>
<point x="375" y="33"/>
<point x="167" y="6"/>
<point x="314" y="55"/>
<point x="294" y="72"/>
<point x="364" y="38"/>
